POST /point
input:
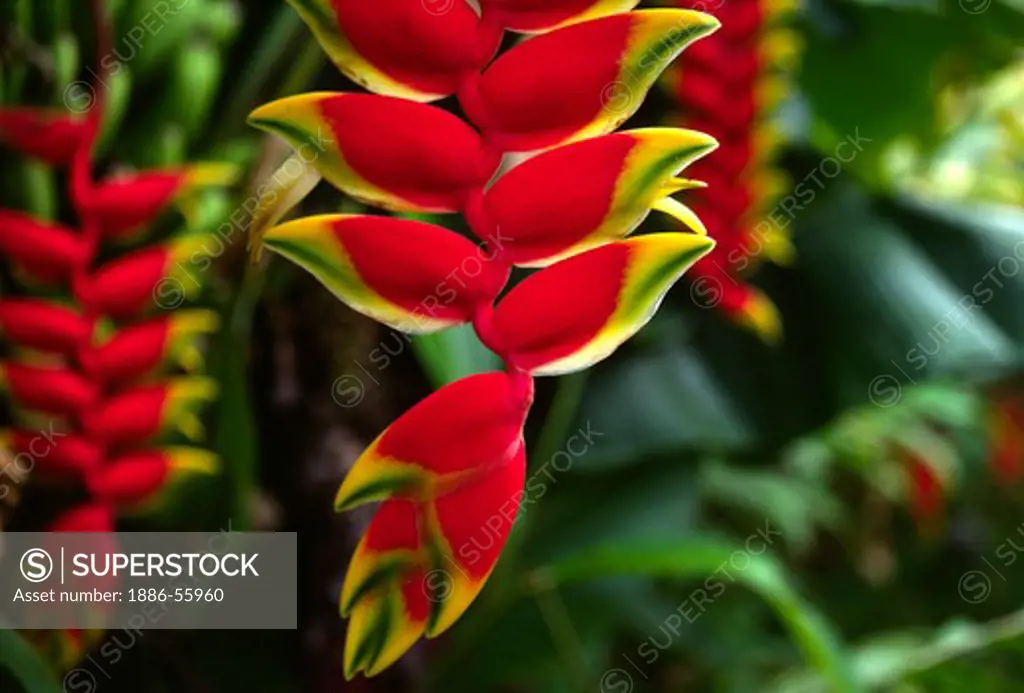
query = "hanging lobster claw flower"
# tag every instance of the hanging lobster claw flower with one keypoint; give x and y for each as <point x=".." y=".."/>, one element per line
<point x="54" y="454"/>
<point x="421" y="564"/>
<point x="51" y="390"/>
<point x="47" y="252"/>
<point x="124" y="204"/>
<point x="386" y="152"/>
<point x="136" y="479"/>
<point x="143" y="349"/>
<point x="42" y="325"/>
<point x="453" y="435"/>
<point x="151" y="411"/>
<point x="576" y="312"/>
<point x="409" y="275"/>
<point x="413" y="49"/>
<point x="159" y="274"/>
<point x="52" y="136"/>
<point x="545" y="15"/>
<point x="616" y="180"/>
<point x="579" y="81"/>
<point x="93" y="517"/>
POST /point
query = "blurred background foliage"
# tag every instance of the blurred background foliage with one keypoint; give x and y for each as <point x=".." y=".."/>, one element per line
<point x="838" y="513"/>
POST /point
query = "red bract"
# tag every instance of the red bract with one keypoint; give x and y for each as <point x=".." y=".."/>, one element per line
<point x="449" y="473"/>
<point x="578" y="81"/>
<point x="43" y="325"/>
<point x="52" y="136"/>
<point x="46" y="252"/>
<point x="123" y="204"/>
<point x="730" y="85"/>
<point x="384" y="151"/>
<point x="83" y="350"/>
<point x="407" y="274"/>
<point x="544" y="15"/>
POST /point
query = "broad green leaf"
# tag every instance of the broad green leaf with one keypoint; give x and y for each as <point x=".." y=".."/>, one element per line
<point x="24" y="662"/>
<point x="813" y="634"/>
<point x="454" y="353"/>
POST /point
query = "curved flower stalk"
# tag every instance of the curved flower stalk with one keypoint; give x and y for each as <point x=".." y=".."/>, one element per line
<point x="730" y="86"/>
<point x="448" y="475"/>
<point x="91" y="375"/>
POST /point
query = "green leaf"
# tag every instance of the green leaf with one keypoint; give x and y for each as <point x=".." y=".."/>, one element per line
<point x="453" y="353"/>
<point x="701" y="558"/>
<point x="22" y="660"/>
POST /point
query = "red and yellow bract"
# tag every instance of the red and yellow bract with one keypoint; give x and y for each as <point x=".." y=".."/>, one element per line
<point x="452" y="467"/>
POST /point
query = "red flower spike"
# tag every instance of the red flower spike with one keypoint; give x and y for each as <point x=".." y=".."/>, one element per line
<point x="149" y="412"/>
<point x="43" y="325"/>
<point x="136" y="479"/>
<point x="93" y="517"/>
<point x="52" y="136"/>
<point x="615" y="181"/>
<point x="122" y="205"/>
<point x="579" y="81"/>
<point x="53" y="454"/>
<point x="383" y="151"/>
<point x="414" y="49"/>
<point x="449" y="473"/>
<point x="578" y="311"/>
<point x="454" y="434"/>
<point x="47" y="252"/>
<point x="143" y="349"/>
<point x="51" y="390"/>
<point x="544" y="15"/>
<point x="409" y="275"/>
<point x="129" y="285"/>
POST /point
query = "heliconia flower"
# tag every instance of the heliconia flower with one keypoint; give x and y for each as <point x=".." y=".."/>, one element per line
<point x="409" y="275"/>
<point x="387" y="152"/>
<point x="421" y="564"/>
<point x="414" y="49"/>
<point x="544" y="15"/>
<point x="576" y="312"/>
<point x="124" y="204"/>
<point x="579" y="81"/>
<point x="52" y="136"/>
<point x="148" y="412"/>
<point x="91" y="517"/>
<point x="155" y="275"/>
<point x="43" y="325"/>
<point x="454" y="434"/>
<point x="137" y="478"/>
<point x="143" y="349"/>
<point x="54" y="455"/>
<point x="48" y="389"/>
<point x="615" y="181"/>
<point x="47" y="252"/>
